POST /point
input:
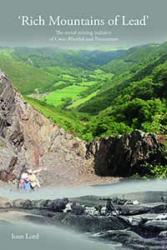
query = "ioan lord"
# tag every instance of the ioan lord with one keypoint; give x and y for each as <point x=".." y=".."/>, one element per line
<point x="61" y="21"/>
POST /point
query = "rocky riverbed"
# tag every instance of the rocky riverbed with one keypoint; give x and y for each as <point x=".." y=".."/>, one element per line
<point x="136" y="220"/>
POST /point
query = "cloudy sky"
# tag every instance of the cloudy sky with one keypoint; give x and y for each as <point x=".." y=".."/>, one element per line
<point x="12" y="33"/>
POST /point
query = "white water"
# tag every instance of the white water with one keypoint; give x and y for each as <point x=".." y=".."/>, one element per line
<point x="54" y="238"/>
<point x="49" y="238"/>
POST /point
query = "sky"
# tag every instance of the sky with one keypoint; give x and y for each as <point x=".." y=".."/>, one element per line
<point x="12" y="33"/>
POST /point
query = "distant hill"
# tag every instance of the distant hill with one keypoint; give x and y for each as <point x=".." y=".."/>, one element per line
<point x="94" y="93"/>
<point x="46" y="57"/>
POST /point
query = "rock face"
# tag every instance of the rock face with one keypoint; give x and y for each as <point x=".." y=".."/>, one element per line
<point x="88" y="223"/>
<point x="126" y="155"/>
<point x="29" y="139"/>
<point x="32" y="140"/>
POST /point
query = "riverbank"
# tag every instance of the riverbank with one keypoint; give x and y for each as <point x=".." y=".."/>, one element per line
<point x="141" y="221"/>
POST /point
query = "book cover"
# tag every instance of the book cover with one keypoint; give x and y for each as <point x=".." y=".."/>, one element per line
<point x="83" y="124"/>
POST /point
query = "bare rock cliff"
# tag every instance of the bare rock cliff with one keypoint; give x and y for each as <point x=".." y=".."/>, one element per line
<point x="32" y="140"/>
<point x="126" y="155"/>
<point x="29" y="139"/>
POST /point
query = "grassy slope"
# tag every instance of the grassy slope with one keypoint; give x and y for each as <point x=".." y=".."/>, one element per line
<point x="127" y="93"/>
<point x="69" y="121"/>
<point x="25" y="77"/>
<point x="120" y="93"/>
<point x="81" y="100"/>
<point x="57" y="97"/>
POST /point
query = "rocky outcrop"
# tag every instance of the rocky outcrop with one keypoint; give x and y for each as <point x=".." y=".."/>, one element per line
<point x="33" y="141"/>
<point x="132" y="240"/>
<point x="36" y="142"/>
<point x="127" y="154"/>
<point x="88" y="223"/>
<point x="5" y="203"/>
<point x="135" y="228"/>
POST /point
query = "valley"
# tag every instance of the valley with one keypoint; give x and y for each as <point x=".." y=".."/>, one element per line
<point x="95" y="88"/>
<point x="101" y="98"/>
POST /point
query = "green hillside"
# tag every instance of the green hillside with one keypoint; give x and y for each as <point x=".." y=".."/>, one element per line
<point x="86" y="59"/>
<point x="62" y="118"/>
<point x="25" y="77"/>
<point x="94" y="93"/>
<point x="137" y="101"/>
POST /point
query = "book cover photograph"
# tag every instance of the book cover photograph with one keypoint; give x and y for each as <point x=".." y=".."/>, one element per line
<point x="83" y="125"/>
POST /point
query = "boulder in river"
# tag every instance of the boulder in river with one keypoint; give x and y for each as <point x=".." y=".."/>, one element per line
<point x="88" y="223"/>
<point x="5" y="203"/>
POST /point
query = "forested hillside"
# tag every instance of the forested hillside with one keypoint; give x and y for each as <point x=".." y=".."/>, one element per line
<point x="94" y="93"/>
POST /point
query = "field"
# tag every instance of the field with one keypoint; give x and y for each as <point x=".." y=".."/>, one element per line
<point x="93" y="93"/>
<point x="66" y="95"/>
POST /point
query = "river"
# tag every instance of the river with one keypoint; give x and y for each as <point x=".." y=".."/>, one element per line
<point x="16" y="235"/>
<point x="52" y="237"/>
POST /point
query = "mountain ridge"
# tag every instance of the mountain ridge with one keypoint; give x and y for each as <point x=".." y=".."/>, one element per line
<point x="97" y="99"/>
